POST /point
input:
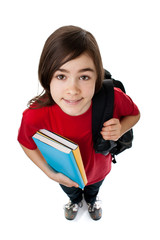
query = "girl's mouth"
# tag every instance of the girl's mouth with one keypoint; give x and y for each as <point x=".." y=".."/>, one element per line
<point x="72" y="102"/>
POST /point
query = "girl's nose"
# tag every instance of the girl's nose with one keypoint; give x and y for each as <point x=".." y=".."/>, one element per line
<point x="72" y="87"/>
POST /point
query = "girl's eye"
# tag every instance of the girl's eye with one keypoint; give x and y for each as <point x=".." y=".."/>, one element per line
<point x="84" y="77"/>
<point x="61" y="77"/>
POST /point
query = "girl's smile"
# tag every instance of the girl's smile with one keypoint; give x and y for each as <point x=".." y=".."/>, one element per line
<point x="72" y="102"/>
<point x="73" y="85"/>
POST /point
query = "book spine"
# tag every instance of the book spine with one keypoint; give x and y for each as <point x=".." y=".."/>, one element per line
<point x="80" y="165"/>
<point x="78" y="179"/>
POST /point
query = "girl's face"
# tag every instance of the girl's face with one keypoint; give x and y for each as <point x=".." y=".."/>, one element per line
<point x="73" y="85"/>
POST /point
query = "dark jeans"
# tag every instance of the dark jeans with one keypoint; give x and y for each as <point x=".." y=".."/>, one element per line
<point x="90" y="192"/>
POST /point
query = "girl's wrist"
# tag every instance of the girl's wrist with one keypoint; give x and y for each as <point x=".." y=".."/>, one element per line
<point x="51" y="173"/>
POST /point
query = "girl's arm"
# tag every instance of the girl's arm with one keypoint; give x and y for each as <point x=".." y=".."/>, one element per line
<point x="38" y="159"/>
<point x="114" y="128"/>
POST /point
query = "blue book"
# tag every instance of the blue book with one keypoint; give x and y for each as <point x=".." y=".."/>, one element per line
<point x="62" y="155"/>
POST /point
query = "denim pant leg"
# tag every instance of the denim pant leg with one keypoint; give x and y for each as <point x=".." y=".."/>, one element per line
<point x="91" y="191"/>
<point x="74" y="194"/>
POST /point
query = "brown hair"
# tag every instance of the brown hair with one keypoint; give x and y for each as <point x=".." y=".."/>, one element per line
<point x="63" y="45"/>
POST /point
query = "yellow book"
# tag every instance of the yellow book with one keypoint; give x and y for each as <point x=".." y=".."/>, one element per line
<point x="79" y="161"/>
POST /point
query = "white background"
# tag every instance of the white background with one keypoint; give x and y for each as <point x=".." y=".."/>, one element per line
<point x="128" y="34"/>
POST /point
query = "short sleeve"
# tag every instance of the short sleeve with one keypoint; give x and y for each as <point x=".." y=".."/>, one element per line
<point x="27" y="129"/>
<point x="123" y="105"/>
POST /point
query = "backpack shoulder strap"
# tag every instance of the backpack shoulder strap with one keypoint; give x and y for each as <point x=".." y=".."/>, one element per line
<point x="102" y="107"/>
<point x="116" y="83"/>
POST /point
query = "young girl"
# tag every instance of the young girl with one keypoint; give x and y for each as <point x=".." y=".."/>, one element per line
<point x="71" y="72"/>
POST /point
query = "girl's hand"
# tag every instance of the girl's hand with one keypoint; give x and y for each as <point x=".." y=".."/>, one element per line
<point x="111" y="129"/>
<point x="62" y="179"/>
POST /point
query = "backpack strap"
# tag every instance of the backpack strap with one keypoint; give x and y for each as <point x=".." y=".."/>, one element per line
<point x="102" y="110"/>
<point x="102" y="102"/>
<point x="109" y="95"/>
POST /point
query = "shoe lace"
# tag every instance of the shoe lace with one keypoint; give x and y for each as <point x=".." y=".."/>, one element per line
<point x="73" y="206"/>
<point x="95" y="206"/>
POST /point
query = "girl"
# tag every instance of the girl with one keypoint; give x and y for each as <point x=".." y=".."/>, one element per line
<point x="71" y="72"/>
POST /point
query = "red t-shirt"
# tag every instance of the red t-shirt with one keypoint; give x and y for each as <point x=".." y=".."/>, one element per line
<point x="76" y="128"/>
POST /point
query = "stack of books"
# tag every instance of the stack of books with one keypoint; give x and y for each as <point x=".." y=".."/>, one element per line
<point x="62" y="155"/>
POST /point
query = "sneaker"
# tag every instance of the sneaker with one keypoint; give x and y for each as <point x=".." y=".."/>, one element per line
<point x="71" y="209"/>
<point x="95" y="210"/>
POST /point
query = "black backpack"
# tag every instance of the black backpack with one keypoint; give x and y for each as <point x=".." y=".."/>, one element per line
<point x="102" y="110"/>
